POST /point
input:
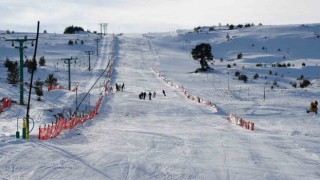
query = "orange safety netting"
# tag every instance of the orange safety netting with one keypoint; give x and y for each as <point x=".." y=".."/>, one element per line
<point x="6" y="103"/>
<point x="52" y="87"/>
<point x="54" y="130"/>
<point x="185" y="92"/>
<point x="241" y="122"/>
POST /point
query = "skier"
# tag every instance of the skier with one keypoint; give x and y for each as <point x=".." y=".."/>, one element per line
<point x="313" y="107"/>
<point x="122" y="86"/>
<point x="144" y="95"/>
<point x="154" y="94"/>
<point x="117" y="87"/>
<point x="141" y="95"/>
<point x="150" y="95"/>
<point x="164" y="93"/>
<point x="111" y="89"/>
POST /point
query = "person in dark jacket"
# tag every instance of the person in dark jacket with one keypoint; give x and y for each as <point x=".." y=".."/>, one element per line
<point x="144" y="95"/>
<point x="150" y="94"/>
<point x="117" y="87"/>
<point x="122" y="87"/>
<point x="164" y="93"/>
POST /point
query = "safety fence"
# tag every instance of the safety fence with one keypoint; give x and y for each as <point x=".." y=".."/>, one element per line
<point x="232" y="119"/>
<point x="52" y="131"/>
<point x="53" y="87"/>
<point x="197" y="99"/>
<point x="6" y="103"/>
<point x="241" y="122"/>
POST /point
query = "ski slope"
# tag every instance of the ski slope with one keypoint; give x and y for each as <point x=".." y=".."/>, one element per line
<point x="171" y="137"/>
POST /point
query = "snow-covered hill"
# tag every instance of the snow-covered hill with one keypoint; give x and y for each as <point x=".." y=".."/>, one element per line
<point x="172" y="137"/>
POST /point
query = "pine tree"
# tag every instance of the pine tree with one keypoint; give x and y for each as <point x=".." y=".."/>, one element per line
<point x="42" y="61"/>
<point x="32" y="65"/>
<point x="38" y="89"/>
<point x="202" y="53"/>
<point x="13" y="74"/>
<point x="51" y="80"/>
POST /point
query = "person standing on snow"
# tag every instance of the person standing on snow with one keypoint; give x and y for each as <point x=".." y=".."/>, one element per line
<point x="122" y="86"/>
<point x="117" y="87"/>
<point x="164" y="93"/>
<point x="154" y="94"/>
<point x="150" y="95"/>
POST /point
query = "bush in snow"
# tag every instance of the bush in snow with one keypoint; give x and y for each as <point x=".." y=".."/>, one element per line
<point x="305" y="83"/>
<point x="70" y="42"/>
<point x="243" y="77"/>
<point x="237" y="73"/>
<point x="239" y="56"/>
<point x="303" y="64"/>
<point x="256" y="76"/>
<point x="293" y="84"/>
<point x="259" y="65"/>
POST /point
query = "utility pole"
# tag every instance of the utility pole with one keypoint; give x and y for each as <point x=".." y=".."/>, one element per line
<point x="89" y="53"/>
<point x="104" y="25"/>
<point x="264" y="93"/>
<point x="21" y="47"/>
<point x="97" y="41"/>
<point x="100" y="30"/>
<point x="68" y="61"/>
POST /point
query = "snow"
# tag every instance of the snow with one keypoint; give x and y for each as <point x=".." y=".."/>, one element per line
<point x="171" y="137"/>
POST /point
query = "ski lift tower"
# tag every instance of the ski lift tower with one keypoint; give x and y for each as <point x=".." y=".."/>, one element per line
<point x="21" y="47"/>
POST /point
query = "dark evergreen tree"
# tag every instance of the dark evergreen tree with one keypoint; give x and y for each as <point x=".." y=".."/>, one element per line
<point x="42" y="61"/>
<point x="239" y="56"/>
<point x="26" y="62"/>
<point x="240" y="26"/>
<point x="202" y="53"/>
<point x="13" y="74"/>
<point x="10" y="64"/>
<point x="73" y="29"/>
<point x="32" y="66"/>
<point x="7" y="62"/>
<point x="51" y="80"/>
<point x="38" y="89"/>
<point x="70" y="42"/>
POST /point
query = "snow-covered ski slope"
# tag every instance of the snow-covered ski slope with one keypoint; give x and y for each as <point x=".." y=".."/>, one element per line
<point x="171" y="137"/>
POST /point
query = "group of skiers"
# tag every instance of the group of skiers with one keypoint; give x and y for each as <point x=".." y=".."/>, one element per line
<point x="118" y="87"/>
<point x="143" y="95"/>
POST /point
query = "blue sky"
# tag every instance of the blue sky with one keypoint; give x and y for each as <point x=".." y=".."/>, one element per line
<point x="141" y="16"/>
